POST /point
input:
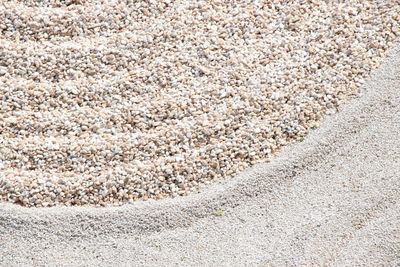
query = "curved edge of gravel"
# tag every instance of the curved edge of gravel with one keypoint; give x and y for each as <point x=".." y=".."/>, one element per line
<point x="152" y="216"/>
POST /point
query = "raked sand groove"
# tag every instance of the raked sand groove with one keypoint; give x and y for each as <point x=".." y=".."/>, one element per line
<point x="106" y="102"/>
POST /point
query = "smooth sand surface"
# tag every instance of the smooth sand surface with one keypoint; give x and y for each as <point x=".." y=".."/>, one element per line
<point x="333" y="199"/>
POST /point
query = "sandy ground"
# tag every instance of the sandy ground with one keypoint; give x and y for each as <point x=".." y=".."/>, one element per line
<point x="333" y="199"/>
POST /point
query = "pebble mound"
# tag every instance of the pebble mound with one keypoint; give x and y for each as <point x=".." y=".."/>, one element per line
<point x="108" y="102"/>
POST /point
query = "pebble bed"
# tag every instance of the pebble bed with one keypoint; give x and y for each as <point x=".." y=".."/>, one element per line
<point x="109" y="102"/>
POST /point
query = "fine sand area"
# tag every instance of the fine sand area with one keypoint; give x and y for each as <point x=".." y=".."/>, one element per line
<point x="333" y="199"/>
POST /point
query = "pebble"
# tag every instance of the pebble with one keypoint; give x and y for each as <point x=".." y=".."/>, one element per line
<point x="111" y="102"/>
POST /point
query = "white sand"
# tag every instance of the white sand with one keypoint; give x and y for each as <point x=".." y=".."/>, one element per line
<point x="333" y="199"/>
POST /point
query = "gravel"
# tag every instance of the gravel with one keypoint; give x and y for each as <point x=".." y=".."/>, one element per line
<point x="108" y="102"/>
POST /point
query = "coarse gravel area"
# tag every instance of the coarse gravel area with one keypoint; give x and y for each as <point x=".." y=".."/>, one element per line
<point x="109" y="102"/>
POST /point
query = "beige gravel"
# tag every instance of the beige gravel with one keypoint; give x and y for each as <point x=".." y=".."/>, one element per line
<point x="109" y="102"/>
<point x="332" y="200"/>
